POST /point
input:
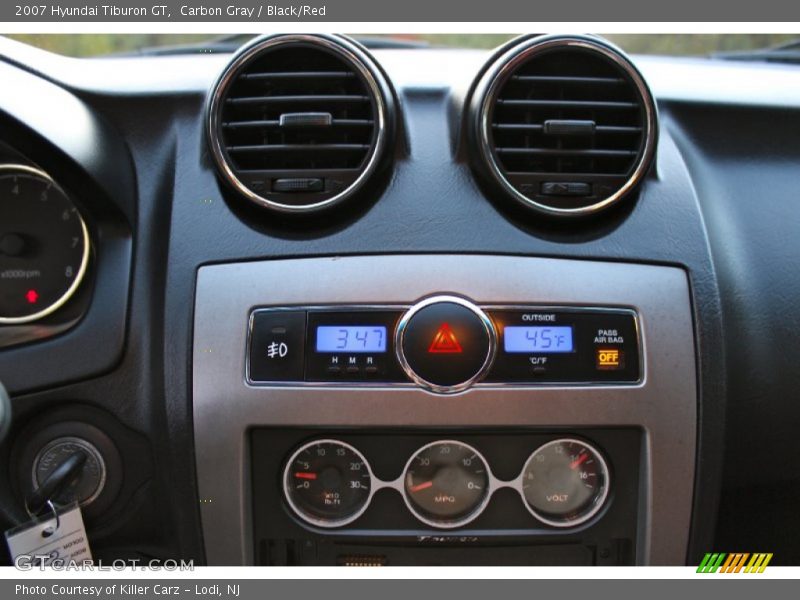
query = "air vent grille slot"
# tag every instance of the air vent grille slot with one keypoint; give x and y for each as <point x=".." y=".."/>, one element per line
<point x="568" y="113"/>
<point x="298" y="110"/>
<point x="298" y="80"/>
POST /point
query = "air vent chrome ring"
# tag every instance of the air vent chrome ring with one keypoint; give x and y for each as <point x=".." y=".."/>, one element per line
<point x="499" y="72"/>
<point x="352" y="57"/>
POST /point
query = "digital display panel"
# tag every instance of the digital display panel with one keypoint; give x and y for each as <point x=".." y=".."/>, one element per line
<point x="351" y="338"/>
<point x="537" y="339"/>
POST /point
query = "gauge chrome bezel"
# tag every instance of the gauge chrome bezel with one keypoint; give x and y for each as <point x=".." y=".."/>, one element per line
<point x="319" y="521"/>
<point x="82" y="269"/>
<point x="597" y="503"/>
<point x="448" y="523"/>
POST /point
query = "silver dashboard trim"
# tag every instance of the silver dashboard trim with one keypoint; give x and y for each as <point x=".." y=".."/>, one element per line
<point x="225" y="408"/>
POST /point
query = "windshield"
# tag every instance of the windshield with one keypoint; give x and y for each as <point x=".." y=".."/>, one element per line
<point x="86" y="45"/>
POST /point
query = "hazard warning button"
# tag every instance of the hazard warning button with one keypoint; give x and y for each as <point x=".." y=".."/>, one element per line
<point x="445" y="343"/>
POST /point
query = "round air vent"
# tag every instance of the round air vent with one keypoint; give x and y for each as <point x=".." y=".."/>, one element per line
<point x="565" y="125"/>
<point x="299" y="123"/>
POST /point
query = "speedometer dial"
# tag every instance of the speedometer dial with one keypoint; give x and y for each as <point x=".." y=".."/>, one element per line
<point x="44" y="245"/>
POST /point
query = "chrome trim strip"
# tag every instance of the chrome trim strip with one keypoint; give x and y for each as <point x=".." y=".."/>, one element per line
<point x="497" y="75"/>
<point x="359" y="60"/>
<point x="67" y="296"/>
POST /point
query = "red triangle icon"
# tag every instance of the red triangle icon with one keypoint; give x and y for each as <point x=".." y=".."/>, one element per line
<point x="445" y="342"/>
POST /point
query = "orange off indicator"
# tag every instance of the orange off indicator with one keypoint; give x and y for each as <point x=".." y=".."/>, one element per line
<point x="609" y="358"/>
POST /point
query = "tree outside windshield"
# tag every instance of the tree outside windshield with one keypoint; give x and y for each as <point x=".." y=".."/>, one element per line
<point x="83" y="45"/>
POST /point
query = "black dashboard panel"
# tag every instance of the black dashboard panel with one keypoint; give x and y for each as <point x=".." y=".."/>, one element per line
<point x="752" y="230"/>
<point x="84" y="154"/>
<point x="718" y="205"/>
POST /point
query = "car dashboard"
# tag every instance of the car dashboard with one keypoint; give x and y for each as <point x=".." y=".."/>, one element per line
<point x="318" y="304"/>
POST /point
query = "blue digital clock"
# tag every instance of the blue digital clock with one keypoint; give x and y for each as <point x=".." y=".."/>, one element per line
<point x="351" y="339"/>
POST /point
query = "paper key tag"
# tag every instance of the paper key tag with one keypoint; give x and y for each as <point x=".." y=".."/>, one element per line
<point x="56" y="538"/>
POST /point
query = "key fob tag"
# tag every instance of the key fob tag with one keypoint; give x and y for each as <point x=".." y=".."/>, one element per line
<point x="58" y="538"/>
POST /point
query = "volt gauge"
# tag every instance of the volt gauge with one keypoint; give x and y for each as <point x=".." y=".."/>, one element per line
<point x="565" y="482"/>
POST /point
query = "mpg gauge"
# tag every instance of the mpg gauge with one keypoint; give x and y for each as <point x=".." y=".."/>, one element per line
<point x="44" y="245"/>
<point x="446" y="484"/>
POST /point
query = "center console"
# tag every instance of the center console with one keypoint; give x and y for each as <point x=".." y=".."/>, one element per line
<point x="444" y="409"/>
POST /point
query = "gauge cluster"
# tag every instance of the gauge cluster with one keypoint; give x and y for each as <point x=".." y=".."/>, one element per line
<point x="460" y="487"/>
<point x="446" y="483"/>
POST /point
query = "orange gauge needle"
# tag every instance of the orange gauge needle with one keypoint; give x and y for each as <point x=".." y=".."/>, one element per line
<point x="577" y="462"/>
<point x="421" y="486"/>
<point x="305" y="475"/>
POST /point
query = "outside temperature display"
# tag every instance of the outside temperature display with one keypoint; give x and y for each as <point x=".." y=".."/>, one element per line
<point x="537" y="339"/>
<point x="336" y="338"/>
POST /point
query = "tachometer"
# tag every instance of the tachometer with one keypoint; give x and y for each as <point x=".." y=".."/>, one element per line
<point x="44" y="245"/>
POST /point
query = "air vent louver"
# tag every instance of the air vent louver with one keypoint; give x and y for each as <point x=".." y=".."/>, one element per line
<point x="566" y="125"/>
<point x="298" y="123"/>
